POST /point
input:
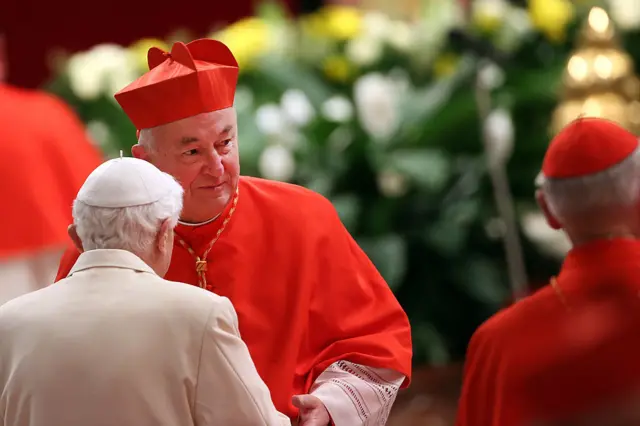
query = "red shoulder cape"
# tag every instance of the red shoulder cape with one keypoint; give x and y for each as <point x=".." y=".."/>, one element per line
<point x="305" y="293"/>
<point x="44" y="160"/>
<point x="564" y="352"/>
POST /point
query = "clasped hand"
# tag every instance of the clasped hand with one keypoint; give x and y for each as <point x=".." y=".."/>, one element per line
<point x="312" y="411"/>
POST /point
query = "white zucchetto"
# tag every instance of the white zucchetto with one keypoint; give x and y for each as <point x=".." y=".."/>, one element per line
<point x="124" y="182"/>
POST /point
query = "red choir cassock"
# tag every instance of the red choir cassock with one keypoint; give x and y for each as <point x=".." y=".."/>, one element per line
<point x="306" y="294"/>
<point x="569" y="353"/>
<point x="46" y="156"/>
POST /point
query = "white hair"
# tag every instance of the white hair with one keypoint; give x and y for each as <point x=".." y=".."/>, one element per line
<point x="129" y="228"/>
<point x="617" y="186"/>
<point x="146" y="139"/>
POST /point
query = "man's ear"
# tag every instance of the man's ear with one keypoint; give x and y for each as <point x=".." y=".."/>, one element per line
<point x="73" y="234"/>
<point x="164" y="238"/>
<point x="544" y="206"/>
<point x="138" y="151"/>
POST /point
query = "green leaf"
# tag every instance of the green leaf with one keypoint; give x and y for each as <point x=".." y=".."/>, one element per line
<point x="430" y="169"/>
<point x="348" y="208"/>
<point x="420" y="105"/>
<point x="429" y="343"/>
<point x="389" y="254"/>
<point x="482" y="280"/>
<point x="449" y="234"/>
<point x="286" y="74"/>
<point x="271" y="11"/>
<point x="251" y="142"/>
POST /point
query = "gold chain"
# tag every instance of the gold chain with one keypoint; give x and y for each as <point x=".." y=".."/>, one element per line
<point x="201" y="262"/>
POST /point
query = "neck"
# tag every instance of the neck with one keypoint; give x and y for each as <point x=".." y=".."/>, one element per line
<point x="610" y="234"/>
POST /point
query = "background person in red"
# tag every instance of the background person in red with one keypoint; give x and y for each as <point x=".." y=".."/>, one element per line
<point x="306" y="294"/>
<point x="45" y="156"/>
<point x="571" y="348"/>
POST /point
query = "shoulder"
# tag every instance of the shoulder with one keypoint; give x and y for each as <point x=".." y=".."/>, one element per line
<point x="510" y="323"/>
<point x="286" y="196"/>
<point x="206" y="307"/>
<point x="35" y="98"/>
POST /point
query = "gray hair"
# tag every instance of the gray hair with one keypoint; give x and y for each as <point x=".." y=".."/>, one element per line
<point x="129" y="228"/>
<point x="617" y="186"/>
<point x="146" y="140"/>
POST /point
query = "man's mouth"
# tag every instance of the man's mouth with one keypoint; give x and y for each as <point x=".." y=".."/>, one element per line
<point x="213" y="186"/>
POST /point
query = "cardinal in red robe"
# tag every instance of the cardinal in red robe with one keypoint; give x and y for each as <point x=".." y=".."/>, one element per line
<point x="45" y="156"/>
<point x="326" y="333"/>
<point x="568" y="354"/>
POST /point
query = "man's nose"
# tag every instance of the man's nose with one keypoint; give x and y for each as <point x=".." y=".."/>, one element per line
<point x="214" y="164"/>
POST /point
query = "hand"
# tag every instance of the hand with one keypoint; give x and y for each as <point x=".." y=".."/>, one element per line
<point x="312" y="411"/>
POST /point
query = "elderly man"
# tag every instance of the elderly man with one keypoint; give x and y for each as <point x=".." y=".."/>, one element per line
<point x="44" y="158"/>
<point x="114" y="343"/>
<point x="319" y="320"/>
<point x="571" y="350"/>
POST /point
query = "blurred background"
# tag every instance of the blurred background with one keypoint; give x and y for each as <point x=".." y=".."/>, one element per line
<point x="423" y="121"/>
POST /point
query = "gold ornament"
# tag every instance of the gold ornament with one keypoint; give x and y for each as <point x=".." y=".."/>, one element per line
<point x="599" y="79"/>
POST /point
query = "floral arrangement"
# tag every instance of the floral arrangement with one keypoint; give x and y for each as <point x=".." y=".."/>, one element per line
<point x="379" y="115"/>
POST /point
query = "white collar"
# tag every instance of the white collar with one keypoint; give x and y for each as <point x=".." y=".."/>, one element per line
<point x="199" y="223"/>
<point x="110" y="258"/>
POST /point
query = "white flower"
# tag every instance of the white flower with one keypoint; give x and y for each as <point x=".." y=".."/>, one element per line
<point x="297" y="107"/>
<point x="103" y="70"/>
<point x="337" y="109"/>
<point x="270" y="119"/>
<point x="499" y="134"/>
<point x="402" y="36"/>
<point x="491" y="75"/>
<point x="380" y="29"/>
<point x="490" y="10"/>
<point x="364" y="50"/>
<point x="392" y="184"/>
<point x="625" y="13"/>
<point x="549" y="240"/>
<point x="376" y="99"/>
<point x="377" y="25"/>
<point x="276" y="162"/>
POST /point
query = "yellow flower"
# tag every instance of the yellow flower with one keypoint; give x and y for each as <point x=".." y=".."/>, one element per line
<point x="139" y="49"/>
<point x="337" y="68"/>
<point x="335" y="22"/>
<point x="551" y="17"/>
<point x="248" y="39"/>
<point x="445" y="65"/>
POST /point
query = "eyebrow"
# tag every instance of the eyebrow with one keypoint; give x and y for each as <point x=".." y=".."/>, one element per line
<point x="191" y="139"/>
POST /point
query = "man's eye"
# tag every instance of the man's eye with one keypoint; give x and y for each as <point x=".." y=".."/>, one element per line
<point x="226" y="142"/>
<point x="191" y="152"/>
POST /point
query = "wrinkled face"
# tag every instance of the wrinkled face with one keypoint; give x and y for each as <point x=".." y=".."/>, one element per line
<point x="201" y="152"/>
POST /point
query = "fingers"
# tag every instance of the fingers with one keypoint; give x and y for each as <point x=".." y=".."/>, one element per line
<point x="306" y="401"/>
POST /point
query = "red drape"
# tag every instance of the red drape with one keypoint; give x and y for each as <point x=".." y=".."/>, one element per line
<point x="35" y="28"/>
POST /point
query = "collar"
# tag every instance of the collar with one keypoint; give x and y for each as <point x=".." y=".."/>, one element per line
<point x="602" y="253"/>
<point x="107" y="258"/>
<point x="199" y="235"/>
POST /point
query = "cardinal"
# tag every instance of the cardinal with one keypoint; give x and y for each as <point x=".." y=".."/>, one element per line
<point x="568" y="354"/>
<point x="326" y="333"/>
<point x="45" y="157"/>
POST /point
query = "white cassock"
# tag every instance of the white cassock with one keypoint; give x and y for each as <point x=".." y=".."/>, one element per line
<point x="26" y="273"/>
